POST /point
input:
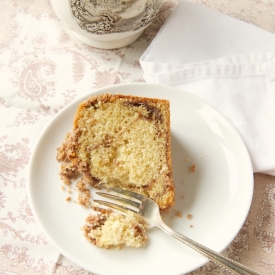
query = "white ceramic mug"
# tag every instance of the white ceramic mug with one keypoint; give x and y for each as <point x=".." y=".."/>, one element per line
<point x="106" y="24"/>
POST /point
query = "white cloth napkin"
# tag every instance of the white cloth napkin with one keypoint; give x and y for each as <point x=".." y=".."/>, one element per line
<point x="225" y="61"/>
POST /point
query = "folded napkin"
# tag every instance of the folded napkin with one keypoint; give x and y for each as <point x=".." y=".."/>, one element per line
<point x="228" y="63"/>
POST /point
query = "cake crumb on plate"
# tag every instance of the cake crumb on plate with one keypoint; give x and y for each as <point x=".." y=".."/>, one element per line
<point x="193" y="168"/>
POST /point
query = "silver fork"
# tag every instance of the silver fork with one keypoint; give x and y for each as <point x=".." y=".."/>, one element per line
<point x="149" y="210"/>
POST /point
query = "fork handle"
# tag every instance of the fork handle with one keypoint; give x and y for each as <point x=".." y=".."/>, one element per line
<point x="230" y="265"/>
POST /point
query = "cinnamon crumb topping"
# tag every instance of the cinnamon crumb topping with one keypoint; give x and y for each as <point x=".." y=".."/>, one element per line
<point x="193" y="168"/>
<point x="179" y="214"/>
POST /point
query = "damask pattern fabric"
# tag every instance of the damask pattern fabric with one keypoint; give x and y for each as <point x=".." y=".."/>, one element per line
<point x="43" y="69"/>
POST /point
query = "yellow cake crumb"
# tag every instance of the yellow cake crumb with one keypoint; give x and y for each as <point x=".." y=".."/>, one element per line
<point x="193" y="168"/>
<point x="179" y="214"/>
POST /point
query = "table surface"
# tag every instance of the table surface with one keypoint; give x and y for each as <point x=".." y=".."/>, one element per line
<point x="42" y="69"/>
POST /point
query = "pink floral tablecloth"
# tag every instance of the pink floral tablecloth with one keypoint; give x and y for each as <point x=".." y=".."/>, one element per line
<point x="42" y="69"/>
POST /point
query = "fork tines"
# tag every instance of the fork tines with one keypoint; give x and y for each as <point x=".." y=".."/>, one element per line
<point x="124" y="200"/>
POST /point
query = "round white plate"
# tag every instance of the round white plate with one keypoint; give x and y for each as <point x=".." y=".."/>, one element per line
<point x="217" y="195"/>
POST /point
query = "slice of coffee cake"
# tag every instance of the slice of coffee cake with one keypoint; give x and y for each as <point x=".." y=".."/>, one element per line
<point x="122" y="141"/>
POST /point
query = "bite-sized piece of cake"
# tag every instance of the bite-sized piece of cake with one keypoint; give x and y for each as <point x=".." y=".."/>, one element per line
<point x="107" y="229"/>
<point x="122" y="141"/>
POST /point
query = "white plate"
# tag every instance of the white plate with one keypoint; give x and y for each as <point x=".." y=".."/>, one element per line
<point x="218" y="194"/>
